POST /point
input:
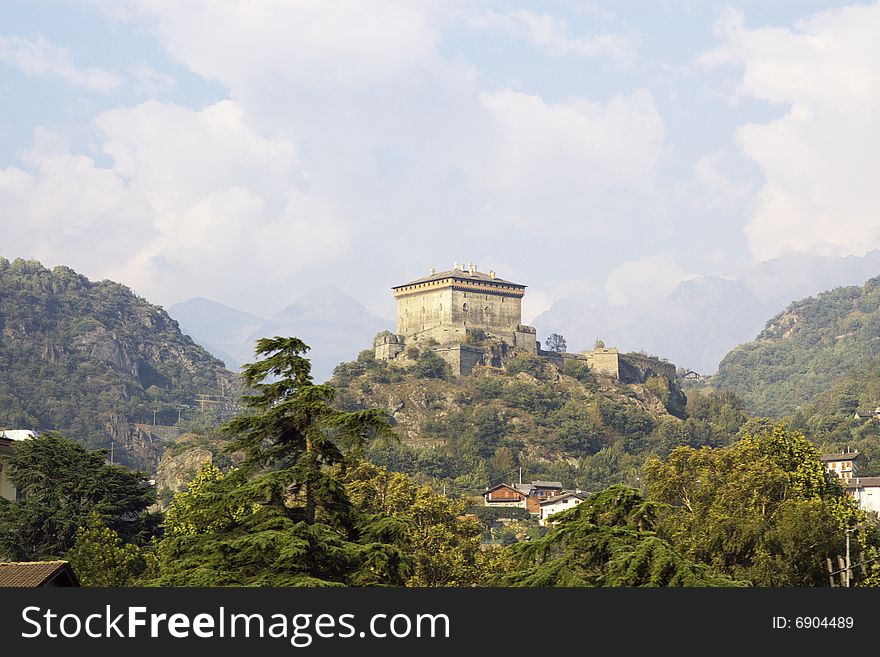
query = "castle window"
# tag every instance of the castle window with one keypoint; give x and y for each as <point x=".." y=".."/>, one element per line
<point x="464" y="307"/>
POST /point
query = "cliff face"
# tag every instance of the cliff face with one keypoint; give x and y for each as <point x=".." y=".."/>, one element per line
<point x="91" y="359"/>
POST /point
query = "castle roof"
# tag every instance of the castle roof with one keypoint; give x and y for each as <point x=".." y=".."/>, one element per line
<point x="461" y="275"/>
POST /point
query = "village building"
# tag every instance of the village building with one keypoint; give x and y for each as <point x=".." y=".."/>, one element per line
<point x="525" y="496"/>
<point x="842" y="465"/>
<point x="7" y="439"/>
<point x="866" y="492"/>
<point x="36" y="574"/>
<point x="557" y="503"/>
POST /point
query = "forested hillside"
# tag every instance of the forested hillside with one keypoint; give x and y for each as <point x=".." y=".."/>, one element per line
<point x="91" y="359"/>
<point x="566" y="424"/>
<point x="806" y="350"/>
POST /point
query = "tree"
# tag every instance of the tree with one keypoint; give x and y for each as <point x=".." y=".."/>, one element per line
<point x="599" y="344"/>
<point x="283" y="518"/>
<point x="555" y="343"/>
<point x="607" y="540"/>
<point x="763" y="509"/>
<point x="61" y="485"/>
<point x="443" y="547"/>
<point x="100" y="558"/>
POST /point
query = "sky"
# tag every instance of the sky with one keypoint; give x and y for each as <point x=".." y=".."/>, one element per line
<point x="601" y="151"/>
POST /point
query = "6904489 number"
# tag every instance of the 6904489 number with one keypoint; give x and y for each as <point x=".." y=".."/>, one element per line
<point x="817" y="622"/>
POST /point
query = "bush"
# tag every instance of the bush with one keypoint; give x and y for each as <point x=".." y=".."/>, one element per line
<point x="429" y="365"/>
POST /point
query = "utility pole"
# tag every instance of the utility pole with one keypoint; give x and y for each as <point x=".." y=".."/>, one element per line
<point x="111" y="450"/>
<point x="520" y="474"/>
<point x="848" y="563"/>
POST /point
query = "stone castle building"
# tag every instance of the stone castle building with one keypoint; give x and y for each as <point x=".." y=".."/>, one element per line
<point x="472" y="318"/>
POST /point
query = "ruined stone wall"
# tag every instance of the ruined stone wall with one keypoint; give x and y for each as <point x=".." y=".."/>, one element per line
<point x="636" y="368"/>
<point x="462" y="358"/>
<point x="604" y="361"/>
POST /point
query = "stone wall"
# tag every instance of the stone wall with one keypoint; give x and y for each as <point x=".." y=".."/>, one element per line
<point x="604" y="361"/>
<point x="636" y="368"/>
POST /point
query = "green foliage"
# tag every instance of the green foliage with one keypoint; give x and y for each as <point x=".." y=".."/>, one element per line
<point x="429" y="365"/>
<point x="442" y="547"/>
<point x="607" y="540"/>
<point x="100" y="558"/>
<point x="527" y="363"/>
<point x="763" y="509"/>
<point x="555" y="343"/>
<point x="805" y="350"/>
<point x="79" y="357"/>
<point x="283" y="518"/>
<point x="579" y="370"/>
<point x="61" y="485"/>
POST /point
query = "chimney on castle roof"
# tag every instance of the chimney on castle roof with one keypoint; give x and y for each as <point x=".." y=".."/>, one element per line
<point x="433" y="270"/>
<point x="455" y="265"/>
<point x="491" y="274"/>
<point x="472" y="268"/>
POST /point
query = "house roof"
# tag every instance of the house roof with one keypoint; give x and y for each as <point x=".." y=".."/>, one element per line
<point x="510" y="486"/>
<point x="32" y="574"/>
<point x="556" y="498"/>
<point x="547" y="484"/>
<point x="459" y="275"/>
<point x="18" y="434"/>
<point x="844" y="456"/>
<point x="863" y="482"/>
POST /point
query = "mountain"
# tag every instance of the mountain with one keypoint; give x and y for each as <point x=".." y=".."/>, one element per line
<point x="218" y="328"/>
<point x="705" y="317"/>
<point x="332" y="323"/>
<point x="805" y="350"/>
<point x="92" y="359"/>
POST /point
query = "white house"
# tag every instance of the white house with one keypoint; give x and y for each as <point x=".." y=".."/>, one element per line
<point x="7" y="437"/>
<point x="559" y="503"/>
<point x="865" y="491"/>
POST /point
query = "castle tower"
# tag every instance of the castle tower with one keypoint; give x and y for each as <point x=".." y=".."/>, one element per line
<point x="444" y="305"/>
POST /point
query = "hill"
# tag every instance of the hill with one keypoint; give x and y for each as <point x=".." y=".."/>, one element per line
<point x="805" y="350"/>
<point x="560" y="423"/>
<point x="93" y="360"/>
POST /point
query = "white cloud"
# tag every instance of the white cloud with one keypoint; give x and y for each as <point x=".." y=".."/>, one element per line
<point x="192" y="199"/>
<point x="646" y="281"/>
<point x="149" y="82"/>
<point x="822" y="185"/>
<point x="554" y="165"/>
<point x="713" y="189"/>
<point x="38" y="57"/>
<point x="551" y="34"/>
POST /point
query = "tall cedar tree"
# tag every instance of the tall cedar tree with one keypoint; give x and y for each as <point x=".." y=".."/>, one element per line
<point x="283" y="518"/>
<point x="294" y="435"/>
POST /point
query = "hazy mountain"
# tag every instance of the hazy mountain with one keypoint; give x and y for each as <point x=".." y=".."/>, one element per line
<point x="222" y="330"/>
<point x="704" y="318"/>
<point x="332" y="323"/>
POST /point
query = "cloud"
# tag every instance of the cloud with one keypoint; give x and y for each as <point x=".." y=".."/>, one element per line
<point x="646" y="281"/>
<point x="713" y="189"/>
<point x="38" y="57"/>
<point x="191" y="200"/>
<point x="558" y="164"/>
<point x="551" y="34"/>
<point x="822" y="185"/>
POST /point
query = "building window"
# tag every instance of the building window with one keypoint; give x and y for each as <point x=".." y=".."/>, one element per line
<point x="464" y="307"/>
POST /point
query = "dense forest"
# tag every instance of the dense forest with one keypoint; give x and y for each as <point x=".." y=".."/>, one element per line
<point x="565" y="424"/>
<point x="818" y="344"/>
<point x="92" y="358"/>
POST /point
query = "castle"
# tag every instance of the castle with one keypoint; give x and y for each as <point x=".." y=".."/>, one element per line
<point x="472" y="318"/>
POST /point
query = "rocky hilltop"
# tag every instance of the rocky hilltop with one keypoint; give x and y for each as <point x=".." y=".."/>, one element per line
<point x="97" y="362"/>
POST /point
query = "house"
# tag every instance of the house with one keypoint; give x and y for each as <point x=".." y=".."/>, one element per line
<point x="7" y="438"/>
<point x="33" y="574"/>
<point x="557" y="503"/>
<point x="842" y="465"/>
<point x="867" y="415"/>
<point x="525" y="496"/>
<point x="866" y="492"/>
